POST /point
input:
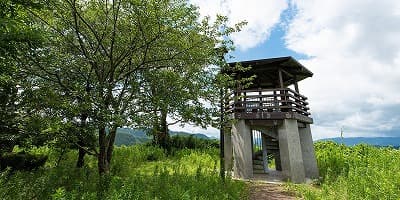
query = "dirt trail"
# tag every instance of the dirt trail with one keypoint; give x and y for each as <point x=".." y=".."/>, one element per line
<point x="269" y="191"/>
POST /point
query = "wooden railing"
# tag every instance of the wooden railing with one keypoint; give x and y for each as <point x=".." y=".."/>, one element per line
<point x="268" y="101"/>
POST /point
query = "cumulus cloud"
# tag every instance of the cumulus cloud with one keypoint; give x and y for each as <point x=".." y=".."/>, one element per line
<point x="261" y="16"/>
<point x="353" y="48"/>
<point x="354" y="52"/>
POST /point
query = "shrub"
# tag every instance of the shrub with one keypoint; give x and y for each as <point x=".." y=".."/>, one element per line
<point x="22" y="161"/>
<point x="191" y="174"/>
<point x="191" y="142"/>
<point x="357" y="172"/>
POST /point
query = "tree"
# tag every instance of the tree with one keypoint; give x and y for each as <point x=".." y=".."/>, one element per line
<point x="102" y="50"/>
<point x="187" y="93"/>
<point x="17" y="38"/>
<point x="179" y="94"/>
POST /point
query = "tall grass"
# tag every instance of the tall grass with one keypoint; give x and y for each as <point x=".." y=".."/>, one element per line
<point x="138" y="172"/>
<point x="359" y="172"/>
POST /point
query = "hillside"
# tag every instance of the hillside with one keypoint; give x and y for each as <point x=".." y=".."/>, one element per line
<point x="375" y="141"/>
<point x="129" y="136"/>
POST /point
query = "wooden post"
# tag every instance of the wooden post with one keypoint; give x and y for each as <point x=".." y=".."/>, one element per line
<point x="283" y="93"/>
<point x="244" y="102"/>
<point x="261" y="103"/>
<point x="280" y="78"/>
<point x="296" y="87"/>
<point x="275" y="101"/>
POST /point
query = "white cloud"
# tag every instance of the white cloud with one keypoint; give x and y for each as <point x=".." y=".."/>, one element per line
<point x="261" y="16"/>
<point x="354" y="49"/>
<point x="354" y="52"/>
<point x="195" y="129"/>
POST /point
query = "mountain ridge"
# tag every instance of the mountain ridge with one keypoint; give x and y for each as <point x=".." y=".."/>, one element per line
<point x="131" y="136"/>
<point x="375" y="141"/>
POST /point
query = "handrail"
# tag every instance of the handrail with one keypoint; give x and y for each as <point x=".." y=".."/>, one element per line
<point x="268" y="100"/>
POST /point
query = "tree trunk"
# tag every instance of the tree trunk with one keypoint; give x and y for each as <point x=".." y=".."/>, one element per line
<point x="111" y="139"/>
<point x="81" y="158"/>
<point x="221" y="137"/>
<point x="102" y="161"/>
<point x="163" y="136"/>
<point x="81" y="143"/>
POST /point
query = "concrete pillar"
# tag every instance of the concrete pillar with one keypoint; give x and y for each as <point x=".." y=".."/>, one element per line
<point x="264" y="152"/>
<point x="308" y="153"/>
<point x="228" y="151"/>
<point x="290" y="151"/>
<point x="241" y="140"/>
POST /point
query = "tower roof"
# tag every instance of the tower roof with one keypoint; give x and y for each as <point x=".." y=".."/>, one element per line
<point x="266" y="71"/>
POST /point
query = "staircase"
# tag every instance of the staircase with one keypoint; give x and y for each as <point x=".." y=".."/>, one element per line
<point x="272" y="149"/>
<point x="258" y="167"/>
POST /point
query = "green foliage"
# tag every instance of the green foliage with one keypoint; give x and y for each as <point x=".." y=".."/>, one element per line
<point x="191" y="142"/>
<point x="22" y="161"/>
<point x="190" y="174"/>
<point x="17" y="39"/>
<point x="101" y="59"/>
<point x="358" y="172"/>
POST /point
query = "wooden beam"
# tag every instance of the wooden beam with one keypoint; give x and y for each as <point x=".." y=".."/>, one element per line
<point x="287" y="73"/>
<point x="296" y="85"/>
<point x="280" y="78"/>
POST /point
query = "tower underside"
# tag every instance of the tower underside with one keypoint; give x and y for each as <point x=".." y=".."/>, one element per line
<point x="253" y="143"/>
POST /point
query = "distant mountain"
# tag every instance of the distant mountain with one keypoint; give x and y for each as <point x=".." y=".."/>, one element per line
<point x="376" y="141"/>
<point x="196" y="135"/>
<point x="129" y="136"/>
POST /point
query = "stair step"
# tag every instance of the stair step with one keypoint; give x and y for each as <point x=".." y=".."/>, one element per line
<point x="259" y="158"/>
<point x="258" y="162"/>
<point x="258" y="167"/>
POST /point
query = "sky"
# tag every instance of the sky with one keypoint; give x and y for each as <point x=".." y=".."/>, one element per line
<point x="352" y="47"/>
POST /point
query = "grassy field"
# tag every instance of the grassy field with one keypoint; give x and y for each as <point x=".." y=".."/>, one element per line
<point x="145" y="172"/>
<point x="359" y="172"/>
<point x="138" y="172"/>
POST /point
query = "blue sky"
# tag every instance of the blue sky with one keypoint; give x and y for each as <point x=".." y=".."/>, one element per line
<point x="352" y="47"/>
<point x="274" y="46"/>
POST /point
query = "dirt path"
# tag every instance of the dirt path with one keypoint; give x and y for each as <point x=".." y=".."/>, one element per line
<point x="269" y="191"/>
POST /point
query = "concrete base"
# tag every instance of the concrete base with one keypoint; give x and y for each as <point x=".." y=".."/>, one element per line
<point x="308" y="153"/>
<point x="295" y="157"/>
<point x="242" y="147"/>
<point x="290" y="151"/>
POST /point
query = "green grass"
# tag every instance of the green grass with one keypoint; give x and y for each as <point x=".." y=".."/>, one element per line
<point x="145" y="172"/>
<point x="138" y="172"/>
<point x="359" y="172"/>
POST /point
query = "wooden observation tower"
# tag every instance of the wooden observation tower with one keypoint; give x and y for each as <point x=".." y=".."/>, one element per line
<point x="272" y="122"/>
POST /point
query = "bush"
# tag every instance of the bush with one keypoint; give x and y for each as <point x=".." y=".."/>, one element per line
<point x="191" y="174"/>
<point x="190" y="142"/>
<point x="22" y="161"/>
<point x="358" y="172"/>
